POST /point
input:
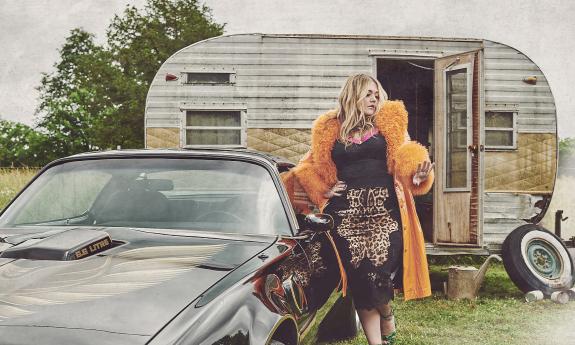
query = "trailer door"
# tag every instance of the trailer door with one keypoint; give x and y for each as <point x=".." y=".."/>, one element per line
<point x="457" y="149"/>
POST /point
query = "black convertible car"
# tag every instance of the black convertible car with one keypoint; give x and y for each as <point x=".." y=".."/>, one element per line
<point x="166" y="247"/>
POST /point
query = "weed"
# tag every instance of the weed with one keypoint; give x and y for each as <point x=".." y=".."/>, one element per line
<point x="12" y="181"/>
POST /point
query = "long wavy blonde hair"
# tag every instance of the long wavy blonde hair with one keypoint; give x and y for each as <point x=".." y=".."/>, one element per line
<point x="350" y="112"/>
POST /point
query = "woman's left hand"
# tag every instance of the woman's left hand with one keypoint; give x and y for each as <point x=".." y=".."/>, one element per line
<point x="422" y="172"/>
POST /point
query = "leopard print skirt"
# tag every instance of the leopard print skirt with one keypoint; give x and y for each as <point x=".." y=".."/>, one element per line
<point x="369" y="239"/>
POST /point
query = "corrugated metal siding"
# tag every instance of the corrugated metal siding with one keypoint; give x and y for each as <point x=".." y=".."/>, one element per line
<point x="286" y="82"/>
<point x="505" y="69"/>
<point x="294" y="79"/>
<point x="503" y="212"/>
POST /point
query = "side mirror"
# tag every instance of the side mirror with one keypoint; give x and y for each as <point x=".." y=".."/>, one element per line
<point x="318" y="222"/>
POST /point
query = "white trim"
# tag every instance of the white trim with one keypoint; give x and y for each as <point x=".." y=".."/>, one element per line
<point x="406" y="54"/>
<point x="469" y="94"/>
<point x="162" y="122"/>
<point x="215" y="127"/>
<point x="244" y="131"/>
<point x="211" y="69"/>
<point x="212" y="146"/>
<point x="515" y="129"/>
<point x="481" y="172"/>
<point x="213" y="106"/>
<point x="499" y="129"/>
<point x="185" y="107"/>
<point x="502" y="107"/>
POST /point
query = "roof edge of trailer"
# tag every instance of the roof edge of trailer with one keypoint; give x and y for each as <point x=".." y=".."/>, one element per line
<point x="372" y="37"/>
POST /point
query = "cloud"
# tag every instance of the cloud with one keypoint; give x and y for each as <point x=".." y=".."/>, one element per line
<point x="31" y="32"/>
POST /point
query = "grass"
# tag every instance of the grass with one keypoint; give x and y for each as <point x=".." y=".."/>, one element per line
<point x="498" y="316"/>
<point x="12" y="181"/>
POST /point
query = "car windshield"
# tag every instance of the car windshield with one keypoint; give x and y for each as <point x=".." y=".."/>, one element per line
<point x="197" y="194"/>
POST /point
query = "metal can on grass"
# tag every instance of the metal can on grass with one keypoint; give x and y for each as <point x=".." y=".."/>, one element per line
<point x="561" y="297"/>
<point x="535" y="295"/>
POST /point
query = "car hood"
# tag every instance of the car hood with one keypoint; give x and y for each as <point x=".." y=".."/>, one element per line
<point x="28" y="335"/>
<point x="134" y="288"/>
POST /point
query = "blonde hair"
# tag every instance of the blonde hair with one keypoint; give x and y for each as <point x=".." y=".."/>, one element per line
<point x="349" y="112"/>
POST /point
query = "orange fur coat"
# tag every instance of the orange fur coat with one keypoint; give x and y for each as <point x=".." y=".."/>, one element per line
<point x="316" y="173"/>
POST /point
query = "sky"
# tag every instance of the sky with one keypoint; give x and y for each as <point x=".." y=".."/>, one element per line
<point x="32" y="31"/>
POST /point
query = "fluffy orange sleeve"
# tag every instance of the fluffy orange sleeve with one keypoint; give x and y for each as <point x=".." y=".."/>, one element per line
<point x="312" y="182"/>
<point x="405" y="162"/>
<point x="297" y="196"/>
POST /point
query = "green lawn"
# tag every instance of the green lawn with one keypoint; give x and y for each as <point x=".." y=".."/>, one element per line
<point x="12" y="181"/>
<point x="498" y="316"/>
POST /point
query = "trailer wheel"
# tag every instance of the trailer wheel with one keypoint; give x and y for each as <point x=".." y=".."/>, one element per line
<point x="536" y="259"/>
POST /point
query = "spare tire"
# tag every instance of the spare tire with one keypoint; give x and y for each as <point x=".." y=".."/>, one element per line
<point x="536" y="259"/>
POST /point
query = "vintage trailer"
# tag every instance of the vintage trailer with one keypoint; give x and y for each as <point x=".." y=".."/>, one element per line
<point x="484" y="110"/>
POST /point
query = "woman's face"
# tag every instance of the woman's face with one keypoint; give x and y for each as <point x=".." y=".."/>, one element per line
<point x="369" y="102"/>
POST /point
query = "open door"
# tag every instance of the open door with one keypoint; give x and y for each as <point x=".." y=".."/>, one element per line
<point x="457" y="149"/>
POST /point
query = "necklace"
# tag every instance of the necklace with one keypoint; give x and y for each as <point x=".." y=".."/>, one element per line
<point x="357" y="138"/>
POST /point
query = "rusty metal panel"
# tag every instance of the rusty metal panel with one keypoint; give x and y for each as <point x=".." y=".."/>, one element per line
<point x="157" y="138"/>
<point x="532" y="167"/>
<point x="290" y="143"/>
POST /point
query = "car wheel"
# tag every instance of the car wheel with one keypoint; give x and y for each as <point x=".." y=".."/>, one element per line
<point x="536" y="259"/>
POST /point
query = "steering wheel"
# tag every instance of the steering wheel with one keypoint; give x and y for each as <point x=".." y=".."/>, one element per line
<point x="218" y="214"/>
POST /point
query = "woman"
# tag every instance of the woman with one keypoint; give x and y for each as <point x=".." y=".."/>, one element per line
<point x="363" y="170"/>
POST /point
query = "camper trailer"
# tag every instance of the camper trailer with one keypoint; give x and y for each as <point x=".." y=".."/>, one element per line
<point x="484" y="110"/>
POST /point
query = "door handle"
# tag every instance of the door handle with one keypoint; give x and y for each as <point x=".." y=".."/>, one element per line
<point x="473" y="148"/>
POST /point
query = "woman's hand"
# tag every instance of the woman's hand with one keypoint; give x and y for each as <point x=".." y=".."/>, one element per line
<point x="422" y="172"/>
<point x="336" y="190"/>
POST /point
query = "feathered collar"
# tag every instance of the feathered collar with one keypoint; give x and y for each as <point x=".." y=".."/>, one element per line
<point x="390" y="120"/>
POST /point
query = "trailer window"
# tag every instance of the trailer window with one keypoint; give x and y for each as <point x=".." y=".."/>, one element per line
<point x="209" y="78"/>
<point x="457" y="117"/>
<point x="215" y="127"/>
<point x="501" y="130"/>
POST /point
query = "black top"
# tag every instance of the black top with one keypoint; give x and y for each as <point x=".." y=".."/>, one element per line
<point x="363" y="164"/>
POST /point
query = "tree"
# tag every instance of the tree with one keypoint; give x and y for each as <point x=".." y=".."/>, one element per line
<point x="566" y="152"/>
<point x="142" y="41"/>
<point x="566" y="145"/>
<point x="22" y="146"/>
<point x="71" y="100"/>
<point x="95" y="98"/>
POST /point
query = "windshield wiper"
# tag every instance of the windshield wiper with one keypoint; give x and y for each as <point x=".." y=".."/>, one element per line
<point x="62" y="221"/>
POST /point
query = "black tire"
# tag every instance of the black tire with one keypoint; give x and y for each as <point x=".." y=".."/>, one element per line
<point x="536" y="259"/>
